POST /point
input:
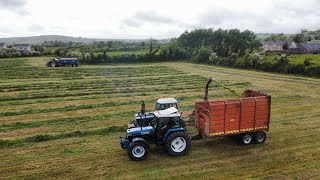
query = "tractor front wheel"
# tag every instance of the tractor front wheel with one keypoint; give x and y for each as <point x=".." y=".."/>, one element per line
<point x="138" y="151"/>
<point x="178" y="143"/>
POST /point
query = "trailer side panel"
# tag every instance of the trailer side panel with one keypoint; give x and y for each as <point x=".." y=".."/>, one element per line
<point x="235" y="116"/>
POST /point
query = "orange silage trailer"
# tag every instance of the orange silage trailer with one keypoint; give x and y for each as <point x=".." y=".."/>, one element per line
<point x="248" y="116"/>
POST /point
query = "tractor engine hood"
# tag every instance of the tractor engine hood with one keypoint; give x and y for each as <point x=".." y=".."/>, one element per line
<point x="140" y="130"/>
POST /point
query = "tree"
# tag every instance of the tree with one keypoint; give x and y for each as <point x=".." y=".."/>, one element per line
<point x="109" y="44"/>
<point x="172" y="51"/>
<point x="223" y="42"/>
<point x="196" y="38"/>
<point x="201" y="55"/>
<point x="298" y="38"/>
<point x="276" y="37"/>
<point x="57" y="52"/>
<point x="153" y="50"/>
<point x="38" y="48"/>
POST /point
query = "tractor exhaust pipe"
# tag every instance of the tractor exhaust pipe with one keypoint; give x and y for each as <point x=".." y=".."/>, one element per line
<point x="143" y="107"/>
<point x="205" y="98"/>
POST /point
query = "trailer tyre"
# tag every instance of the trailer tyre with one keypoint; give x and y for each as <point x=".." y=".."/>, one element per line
<point x="138" y="151"/>
<point x="259" y="137"/>
<point x="246" y="139"/>
<point x="178" y="143"/>
<point x="53" y="64"/>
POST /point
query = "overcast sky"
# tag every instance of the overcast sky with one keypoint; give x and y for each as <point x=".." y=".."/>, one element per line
<point x="159" y="19"/>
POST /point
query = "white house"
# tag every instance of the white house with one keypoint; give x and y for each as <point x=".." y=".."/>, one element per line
<point x="292" y="45"/>
<point x="266" y="45"/>
<point x="22" y="47"/>
<point x="3" y="45"/>
<point x="279" y="46"/>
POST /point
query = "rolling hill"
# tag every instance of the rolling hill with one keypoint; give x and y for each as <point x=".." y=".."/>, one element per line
<point x="43" y="38"/>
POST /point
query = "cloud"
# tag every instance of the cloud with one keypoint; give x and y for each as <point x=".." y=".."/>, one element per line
<point x="129" y="19"/>
<point x="17" y="6"/>
<point x="273" y="17"/>
<point x="148" y="17"/>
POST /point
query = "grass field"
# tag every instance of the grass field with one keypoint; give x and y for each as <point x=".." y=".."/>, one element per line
<point x="65" y="122"/>
<point x="298" y="58"/>
<point x="118" y="53"/>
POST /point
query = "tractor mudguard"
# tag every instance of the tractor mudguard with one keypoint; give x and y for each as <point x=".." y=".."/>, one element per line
<point x="171" y="130"/>
<point x="139" y="139"/>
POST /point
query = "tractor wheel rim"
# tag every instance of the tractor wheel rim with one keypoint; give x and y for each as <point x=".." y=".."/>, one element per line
<point x="138" y="151"/>
<point x="247" y="139"/>
<point x="179" y="144"/>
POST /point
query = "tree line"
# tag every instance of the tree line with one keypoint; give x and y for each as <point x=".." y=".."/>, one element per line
<point x="232" y="48"/>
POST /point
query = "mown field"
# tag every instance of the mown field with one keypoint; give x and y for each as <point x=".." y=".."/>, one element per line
<point x="66" y="122"/>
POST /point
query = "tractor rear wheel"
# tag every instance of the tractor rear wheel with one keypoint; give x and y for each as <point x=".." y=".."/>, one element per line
<point x="178" y="143"/>
<point x="138" y="151"/>
<point x="53" y="64"/>
<point x="259" y="137"/>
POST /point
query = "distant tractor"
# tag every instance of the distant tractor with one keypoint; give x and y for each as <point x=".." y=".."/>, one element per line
<point x="72" y="61"/>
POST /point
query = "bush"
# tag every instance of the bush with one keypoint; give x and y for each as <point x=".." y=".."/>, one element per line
<point x="307" y="62"/>
<point x="172" y="51"/>
<point x="312" y="70"/>
<point x="213" y="58"/>
<point x="201" y="55"/>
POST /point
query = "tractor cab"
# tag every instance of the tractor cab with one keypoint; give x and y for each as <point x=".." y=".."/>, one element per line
<point x="143" y="118"/>
<point x="165" y="120"/>
<point x="166" y="128"/>
<point x="165" y="103"/>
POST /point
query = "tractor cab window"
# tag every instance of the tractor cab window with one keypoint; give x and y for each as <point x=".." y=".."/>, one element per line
<point x="170" y="122"/>
<point x="165" y="106"/>
<point x="166" y="123"/>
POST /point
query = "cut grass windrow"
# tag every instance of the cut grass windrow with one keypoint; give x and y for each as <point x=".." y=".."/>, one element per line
<point x="48" y="137"/>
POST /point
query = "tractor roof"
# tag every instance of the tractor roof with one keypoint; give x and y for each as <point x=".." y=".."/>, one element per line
<point x="167" y="101"/>
<point x="170" y="112"/>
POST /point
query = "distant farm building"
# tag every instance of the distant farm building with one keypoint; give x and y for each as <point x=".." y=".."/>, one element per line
<point x="22" y="47"/>
<point x="311" y="47"/>
<point x="292" y="47"/>
<point x="3" y="45"/>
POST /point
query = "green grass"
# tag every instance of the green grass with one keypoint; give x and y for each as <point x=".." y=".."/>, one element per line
<point x="117" y="53"/>
<point x="298" y="58"/>
<point x="65" y="123"/>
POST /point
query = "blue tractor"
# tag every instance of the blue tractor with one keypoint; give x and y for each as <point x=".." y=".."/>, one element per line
<point x="164" y="126"/>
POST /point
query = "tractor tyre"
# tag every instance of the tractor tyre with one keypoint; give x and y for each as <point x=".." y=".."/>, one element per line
<point x="138" y="151"/>
<point x="259" y="137"/>
<point x="246" y="139"/>
<point x="178" y="143"/>
<point x="53" y="64"/>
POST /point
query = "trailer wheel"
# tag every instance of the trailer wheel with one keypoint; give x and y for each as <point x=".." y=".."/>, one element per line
<point x="138" y="151"/>
<point x="178" y="143"/>
<point x="259" y="137"/>
<point x="246" y="138"/>
<point x="53" y="64"/>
